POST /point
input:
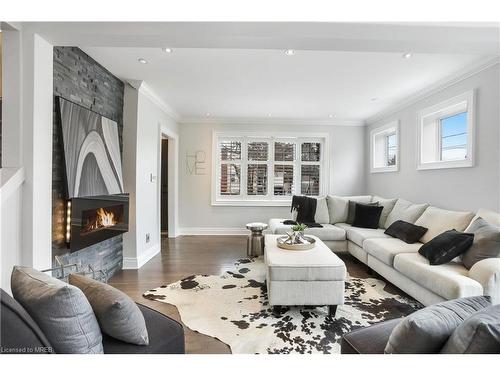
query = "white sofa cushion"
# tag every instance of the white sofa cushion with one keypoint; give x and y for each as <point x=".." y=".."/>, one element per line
<point x="388" y="205"/>
<point x="322" y="216"/>
<point x="437" y="221"/>
<point x="359" y="235"/>
<point x="487" y="273"/>
<point x="338" y="207"/>
<point x="385" y="249"/>
<point x="327" y="233"/>
<point x="448" y="280"/>
<point x="406" y="211"/>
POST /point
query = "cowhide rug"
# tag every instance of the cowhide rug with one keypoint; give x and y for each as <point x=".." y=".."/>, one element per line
<point x="233" y="308"/>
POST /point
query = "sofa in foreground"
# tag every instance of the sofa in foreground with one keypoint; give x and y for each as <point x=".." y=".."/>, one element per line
<point x="81" y="316"/>
<point x="463" y="326"/>
<point x="400" y="262"/>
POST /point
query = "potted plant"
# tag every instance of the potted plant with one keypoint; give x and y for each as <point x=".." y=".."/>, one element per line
<point x="298" y="231"/>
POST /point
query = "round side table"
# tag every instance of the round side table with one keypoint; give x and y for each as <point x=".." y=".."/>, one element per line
<point x="255" y="240"/>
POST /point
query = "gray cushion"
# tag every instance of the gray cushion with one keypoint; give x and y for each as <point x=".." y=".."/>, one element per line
<point x="61" y="310"/>
<point x="478" y="334"/>
<point x="117" y="314"/>
<point x="486" y="242"/>
<point x="388" y="205"/>
<point x="426" y="331"/>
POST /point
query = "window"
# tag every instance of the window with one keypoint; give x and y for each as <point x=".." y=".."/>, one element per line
<point x="267" y="170"/>
<point x="446" y="134"/>
<point x="385" y="148"/>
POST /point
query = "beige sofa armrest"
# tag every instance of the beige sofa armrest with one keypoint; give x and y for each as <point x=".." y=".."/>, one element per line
<point x="487" y="273"/>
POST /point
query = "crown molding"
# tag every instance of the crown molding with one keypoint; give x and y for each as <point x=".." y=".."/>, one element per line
<point x="436" y="87"/>
<point x="148" y="92"/>
<point x="268" y="121"/>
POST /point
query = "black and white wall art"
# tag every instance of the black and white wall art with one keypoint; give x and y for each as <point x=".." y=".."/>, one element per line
<point x="91" y="151"/>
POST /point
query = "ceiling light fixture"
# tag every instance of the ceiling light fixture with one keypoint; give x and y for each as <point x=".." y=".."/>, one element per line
<point x="374" y="99"/>
<point x="142" y="61"/>
<point x="331" y="116"/>
<point x="167" y="50"/>
<point x="289" y="52"/>
<point x="407" y="55"/>
<point x="269" y="115"/>
<point x="207" y="114"/>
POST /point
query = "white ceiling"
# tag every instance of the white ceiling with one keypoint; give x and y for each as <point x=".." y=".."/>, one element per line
<point x="255" y="83"/>
<point x="239" y="70"/>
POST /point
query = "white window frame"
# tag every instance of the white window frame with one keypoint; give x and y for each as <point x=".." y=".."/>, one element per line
<point x="384" y="131"/>
<point x="270" y="199"/>
<point x="455" y="105"/>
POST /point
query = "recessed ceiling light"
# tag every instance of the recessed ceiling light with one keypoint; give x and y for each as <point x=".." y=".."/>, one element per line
<point x="331" y="116"/>
<point x="167" y="50"/>
<point x="289" y="52"/>
<point x="407" y="55"/>
<point x="269" y="115"/>
<point x="142" y="61"/>
<point x="207" y="114"/>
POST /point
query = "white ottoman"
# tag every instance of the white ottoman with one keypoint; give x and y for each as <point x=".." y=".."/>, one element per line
<point x="313" y="277"/>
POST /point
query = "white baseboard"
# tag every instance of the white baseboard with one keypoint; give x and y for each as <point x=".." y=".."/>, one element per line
<point x="200" y="231"/>
<point x="131" y="263"/>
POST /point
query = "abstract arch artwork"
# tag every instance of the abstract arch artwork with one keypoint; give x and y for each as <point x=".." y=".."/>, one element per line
<point x="91" y="152"/>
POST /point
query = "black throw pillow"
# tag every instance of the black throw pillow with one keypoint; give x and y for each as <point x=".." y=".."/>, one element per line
<point x="367" y="216"/>
<point x="407" y="232"/>
<point x="351" y="210"/>
<point x="447" y="246"/>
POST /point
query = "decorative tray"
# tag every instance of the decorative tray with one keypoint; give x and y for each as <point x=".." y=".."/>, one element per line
<point x="302" y="243"/>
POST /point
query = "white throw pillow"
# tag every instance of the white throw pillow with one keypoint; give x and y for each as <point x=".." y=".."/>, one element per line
<point x="406" y="211"/>
<point x="437" y="221"/>
<point x="388" y="205"/>
<point x="338" y="207"/>
<point x="321" y="216"/>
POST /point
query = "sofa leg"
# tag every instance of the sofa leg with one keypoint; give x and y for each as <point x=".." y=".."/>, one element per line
<point x="332" y="310"/>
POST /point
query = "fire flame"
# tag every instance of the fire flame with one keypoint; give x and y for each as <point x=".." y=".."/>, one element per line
<point x="104" y="219"/>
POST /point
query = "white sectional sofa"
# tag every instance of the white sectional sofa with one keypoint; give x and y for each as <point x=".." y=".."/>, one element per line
<point x="399" y="262"/>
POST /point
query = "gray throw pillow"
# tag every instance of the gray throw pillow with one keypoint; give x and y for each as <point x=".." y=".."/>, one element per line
<point x="426" y="331"/>
<point x="351" y="213"/>
<point x="117" y="314"/>
<point x="486" y="242"/>
<point x="478" y="334"/>
<point x="61" y="310"/>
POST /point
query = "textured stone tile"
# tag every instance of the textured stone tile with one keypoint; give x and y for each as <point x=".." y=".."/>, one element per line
<point x="79" y="78"/>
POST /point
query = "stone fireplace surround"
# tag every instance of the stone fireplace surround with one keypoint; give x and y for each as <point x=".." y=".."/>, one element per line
<point x="80" y="79"/>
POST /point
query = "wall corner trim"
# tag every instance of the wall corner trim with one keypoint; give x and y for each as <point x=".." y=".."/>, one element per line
<point x="132" y="263"/>
<point x="436" y="87"/>
<point x="151" y="95"/>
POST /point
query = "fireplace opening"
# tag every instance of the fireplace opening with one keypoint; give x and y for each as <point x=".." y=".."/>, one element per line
<point x="100" y="218"/>
<point x="94" y="219"/>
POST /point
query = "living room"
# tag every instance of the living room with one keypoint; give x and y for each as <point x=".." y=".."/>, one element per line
<point x="261" y="187"/>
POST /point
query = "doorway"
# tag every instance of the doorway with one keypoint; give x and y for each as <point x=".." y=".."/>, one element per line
<point x="164" y="187"/>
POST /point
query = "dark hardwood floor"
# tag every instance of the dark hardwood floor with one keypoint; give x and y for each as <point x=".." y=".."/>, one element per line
<point x="190" y="255"/>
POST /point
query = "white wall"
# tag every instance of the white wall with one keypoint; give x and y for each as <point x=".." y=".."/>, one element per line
<point x="459" y="188"/>
<point x="197" y="215"/>
<point x="27" y="145"/>
<point x="143" y="120"/>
